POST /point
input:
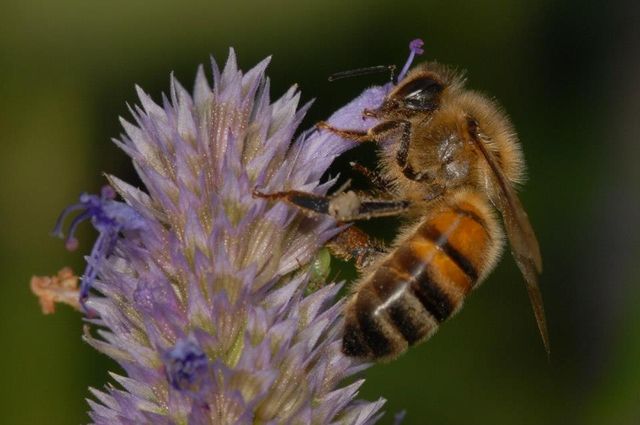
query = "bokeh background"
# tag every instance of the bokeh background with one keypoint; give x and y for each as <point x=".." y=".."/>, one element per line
<point x="568" y="73"/>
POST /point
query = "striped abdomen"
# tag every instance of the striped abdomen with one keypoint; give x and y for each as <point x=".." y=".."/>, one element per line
<point x="424" y="280"/>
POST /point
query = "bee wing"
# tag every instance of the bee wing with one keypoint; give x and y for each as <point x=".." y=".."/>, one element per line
<point x="522" y="239"/>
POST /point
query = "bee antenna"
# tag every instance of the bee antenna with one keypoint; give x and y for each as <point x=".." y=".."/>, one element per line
<point x="363" y="71"/>
<point x="415" y="46"/>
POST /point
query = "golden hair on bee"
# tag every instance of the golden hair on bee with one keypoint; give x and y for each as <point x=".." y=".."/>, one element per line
<point x="449" y="159"/>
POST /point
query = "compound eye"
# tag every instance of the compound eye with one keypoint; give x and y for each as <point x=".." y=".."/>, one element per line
<point x="420" y="93"/>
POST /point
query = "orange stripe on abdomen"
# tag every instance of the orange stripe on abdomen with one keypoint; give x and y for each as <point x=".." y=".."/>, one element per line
<point x="463" y="238"/>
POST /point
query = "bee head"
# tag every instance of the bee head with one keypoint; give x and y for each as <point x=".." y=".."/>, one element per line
<point x="417" y="93"/>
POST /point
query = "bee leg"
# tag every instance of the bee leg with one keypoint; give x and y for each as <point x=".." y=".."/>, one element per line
<point x="377" y="133"/>
<point x="308" y="202"/>
<point x="402" y="156"/>
<point x="344" y="207"/>
<point x="354" y="135"/>
<point x="348" y="207"/>
<point x="354" y="244"/>
<point x="379" y="182"/>
<point x="381" y="132"/>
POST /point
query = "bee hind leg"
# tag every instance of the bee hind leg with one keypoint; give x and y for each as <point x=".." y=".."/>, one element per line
<point x="354" y="244"/>
<point x="344" y="207"/>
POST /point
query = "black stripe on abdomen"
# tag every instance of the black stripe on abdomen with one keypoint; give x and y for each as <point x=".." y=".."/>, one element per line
<point x="426" y="290"/>
<point x="391" y="285"/>
<point x="458" y="257"/>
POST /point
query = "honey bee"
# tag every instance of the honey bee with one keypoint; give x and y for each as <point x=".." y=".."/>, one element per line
<point x="449" y="159"/>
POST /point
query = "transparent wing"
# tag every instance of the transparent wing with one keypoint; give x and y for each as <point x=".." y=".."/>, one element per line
<point x="523" y="241"/>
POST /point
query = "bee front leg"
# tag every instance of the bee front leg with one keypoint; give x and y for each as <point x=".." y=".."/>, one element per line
<point x="353" y="135"/>
<point x="381" y="132"/>
<point x="377" y="133"/>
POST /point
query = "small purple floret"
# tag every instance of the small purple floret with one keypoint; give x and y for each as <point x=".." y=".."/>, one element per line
<point x="415" y="46"/>
<point x="186" y="365"/>
<point x="109" y="218"/>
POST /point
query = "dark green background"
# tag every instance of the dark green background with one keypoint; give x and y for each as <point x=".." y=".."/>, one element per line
<point x="567" y="72"/>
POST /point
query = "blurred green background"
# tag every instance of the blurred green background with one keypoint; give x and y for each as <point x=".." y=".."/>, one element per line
<point x="568" y="73"/>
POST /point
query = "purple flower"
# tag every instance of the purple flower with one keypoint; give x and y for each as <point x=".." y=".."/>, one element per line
<point x="199" y="287"/>
<point x="186" y="365"/>
<point x="109" y="218"/>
